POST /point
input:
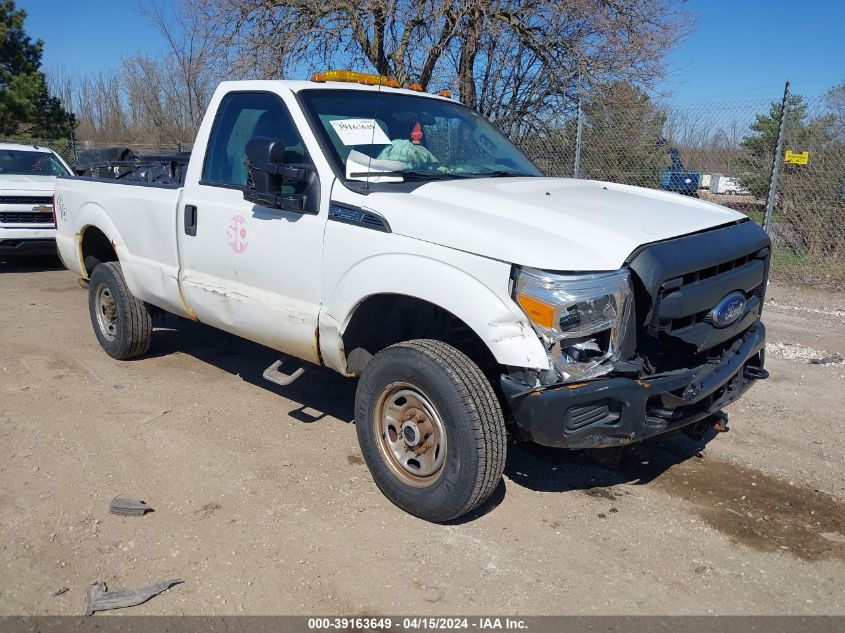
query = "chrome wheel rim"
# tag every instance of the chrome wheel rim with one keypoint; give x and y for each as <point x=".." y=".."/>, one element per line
<point x="106" y="310"/>
<point x="410" y="434"/>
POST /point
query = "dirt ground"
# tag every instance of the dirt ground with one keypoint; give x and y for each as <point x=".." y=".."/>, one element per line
<point x="263" y="505"/>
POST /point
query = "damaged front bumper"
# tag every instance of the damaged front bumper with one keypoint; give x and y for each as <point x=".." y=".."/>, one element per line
<point x="614" y="411"/>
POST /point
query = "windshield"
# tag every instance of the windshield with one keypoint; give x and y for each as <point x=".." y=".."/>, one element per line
<point x="22" y="162"/>
<point x="373" y="133"/>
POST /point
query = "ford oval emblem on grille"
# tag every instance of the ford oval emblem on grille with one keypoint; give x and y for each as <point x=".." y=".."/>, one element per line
<point x="728" y="310"/>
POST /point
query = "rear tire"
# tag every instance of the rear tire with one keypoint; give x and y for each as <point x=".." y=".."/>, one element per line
<point x="121" y="322"/>
<point x="430" y="429"/>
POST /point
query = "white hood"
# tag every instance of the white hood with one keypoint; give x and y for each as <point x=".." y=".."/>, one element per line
<point x="548" y="223"/>
<point x="23" y="182"/>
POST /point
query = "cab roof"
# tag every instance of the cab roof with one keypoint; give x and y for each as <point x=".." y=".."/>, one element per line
<point x="26" y="148"/>
<point x="297" y="85"/>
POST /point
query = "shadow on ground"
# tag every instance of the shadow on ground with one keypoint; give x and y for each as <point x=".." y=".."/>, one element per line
<point x="558" y="470"/>
<point x="322" y="392"/>
<point x="29" y="263"/>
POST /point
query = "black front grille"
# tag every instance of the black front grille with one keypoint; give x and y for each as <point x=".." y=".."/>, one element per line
<point x="25" y="217"/>
<point x="712" y="271"/>
<point x="685" y="301"/>
<point x="48" y="200"/>
<point x="678" y="282"/>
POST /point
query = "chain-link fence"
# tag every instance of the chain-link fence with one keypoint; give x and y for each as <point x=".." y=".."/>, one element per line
<point x="723" y="153"/>
<point x="64" y="147"/>
<point x="71" y="148"/>
<point x="720" y="152"/>
<point x="139" y="149"/>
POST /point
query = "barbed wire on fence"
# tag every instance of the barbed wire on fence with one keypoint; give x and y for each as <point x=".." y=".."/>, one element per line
<point x="719" y="152"/>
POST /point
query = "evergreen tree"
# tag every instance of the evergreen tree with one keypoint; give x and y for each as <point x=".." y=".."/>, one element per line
<point x="760" y="144"/>
<point x="623" y="136"/>
<point x="809" y="208"/>
<point x="26" y="107"/>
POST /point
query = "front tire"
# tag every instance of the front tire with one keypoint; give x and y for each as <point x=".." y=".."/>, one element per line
<point x="121" y="322"/>
<point x="430" y="429"/>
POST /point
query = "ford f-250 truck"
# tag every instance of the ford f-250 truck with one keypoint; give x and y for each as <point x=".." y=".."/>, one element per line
<point x="398" y="237"/>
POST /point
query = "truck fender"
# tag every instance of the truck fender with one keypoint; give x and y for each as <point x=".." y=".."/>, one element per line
<point x="92" y="215"/>
<point x="145" y="278"/>
<point x="498" y="323"/>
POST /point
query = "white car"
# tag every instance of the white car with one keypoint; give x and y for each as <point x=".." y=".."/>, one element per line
<point x="27" y="179"/>
<point x="397" y="236"/>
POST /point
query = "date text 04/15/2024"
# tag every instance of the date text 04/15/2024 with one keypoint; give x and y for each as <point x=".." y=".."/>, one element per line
<point x="417" y="623"/>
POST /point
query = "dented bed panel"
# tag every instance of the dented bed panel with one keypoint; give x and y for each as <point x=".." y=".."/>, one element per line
<point x="138" y="221"/>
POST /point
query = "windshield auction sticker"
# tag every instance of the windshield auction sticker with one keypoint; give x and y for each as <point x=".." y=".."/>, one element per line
<point x="360" y="132"/>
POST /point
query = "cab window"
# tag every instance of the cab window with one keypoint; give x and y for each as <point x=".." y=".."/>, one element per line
<point x="242" y="116"/>
<point x="31" y="163"/>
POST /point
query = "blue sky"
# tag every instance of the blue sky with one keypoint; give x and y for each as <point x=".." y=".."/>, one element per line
<point x="746" y="50"/>
<point x="738" y="50"/>
<point x="88" y="35"/>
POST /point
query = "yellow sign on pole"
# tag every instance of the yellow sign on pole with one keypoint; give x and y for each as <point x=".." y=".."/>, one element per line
<point x="797" y="158"/>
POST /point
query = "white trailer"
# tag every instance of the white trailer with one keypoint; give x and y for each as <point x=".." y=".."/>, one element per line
<point x="719" y="183"/>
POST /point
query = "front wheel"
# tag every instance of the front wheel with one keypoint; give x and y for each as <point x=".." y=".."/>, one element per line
<point x="430" y="429"/>
<point x="121" y="322"/>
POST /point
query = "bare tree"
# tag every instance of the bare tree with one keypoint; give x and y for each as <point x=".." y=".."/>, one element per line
<point x="154" y="100"/>
<point x="514" y="60"/>
<point x="519" y="62"/>
<point x="194" y="61"/>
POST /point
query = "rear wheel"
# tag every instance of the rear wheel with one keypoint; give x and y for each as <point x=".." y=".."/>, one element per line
<point x="430" y="428"/>
<point x="121" y="322"/>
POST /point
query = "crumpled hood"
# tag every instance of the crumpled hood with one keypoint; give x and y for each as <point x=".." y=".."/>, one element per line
<point x="549" y="223"/>
<point x="24" y="182"/>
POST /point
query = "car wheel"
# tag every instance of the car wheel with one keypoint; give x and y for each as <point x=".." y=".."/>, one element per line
<point x="430" y="429"/>
<point x="121" y="322"/>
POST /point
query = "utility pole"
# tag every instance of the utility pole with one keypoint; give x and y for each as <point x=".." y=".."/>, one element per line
<point x="777" y="161"/>
<point x="578" y="132"/>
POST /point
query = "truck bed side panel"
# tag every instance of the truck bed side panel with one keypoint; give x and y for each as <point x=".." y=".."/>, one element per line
<point x="139" y="221"/>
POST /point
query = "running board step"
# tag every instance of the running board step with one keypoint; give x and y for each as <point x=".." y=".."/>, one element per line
<point x="273" y="374"/>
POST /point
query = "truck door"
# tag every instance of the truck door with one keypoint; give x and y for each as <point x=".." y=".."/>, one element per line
<point x="247" y="269"/>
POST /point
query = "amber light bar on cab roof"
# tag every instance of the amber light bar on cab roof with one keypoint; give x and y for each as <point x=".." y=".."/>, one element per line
<point x="368" y="79"/>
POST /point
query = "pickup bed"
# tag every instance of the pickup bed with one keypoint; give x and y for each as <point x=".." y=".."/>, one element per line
<point x="396" y="236"/>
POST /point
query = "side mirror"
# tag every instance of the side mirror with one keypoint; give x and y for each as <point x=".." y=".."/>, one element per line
<point x="265" y="149"/>
<point x="267" y="173"/>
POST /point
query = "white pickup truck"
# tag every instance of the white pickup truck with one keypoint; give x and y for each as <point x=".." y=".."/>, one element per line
<point x="27" y="178"/>
<point x="397" y="236"/>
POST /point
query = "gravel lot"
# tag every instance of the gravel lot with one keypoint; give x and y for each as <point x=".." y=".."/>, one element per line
<point x="263" y="505"/>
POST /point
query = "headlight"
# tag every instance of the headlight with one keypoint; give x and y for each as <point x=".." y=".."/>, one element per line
<point x="580" y="318"/>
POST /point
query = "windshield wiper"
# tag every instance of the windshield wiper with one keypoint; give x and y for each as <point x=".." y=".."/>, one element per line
<point x="503" y="173"/>
<point x="426" y="174"/>
<point x="415" y="174"/>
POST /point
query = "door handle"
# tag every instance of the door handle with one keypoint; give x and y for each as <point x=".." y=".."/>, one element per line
<point x="190" y="220"/>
